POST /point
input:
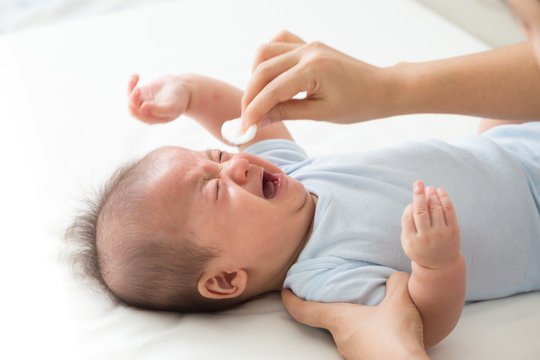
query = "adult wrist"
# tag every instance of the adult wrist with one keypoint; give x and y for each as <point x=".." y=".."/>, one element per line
<point x="400" y="89"/>
<point x="378" y="92"/>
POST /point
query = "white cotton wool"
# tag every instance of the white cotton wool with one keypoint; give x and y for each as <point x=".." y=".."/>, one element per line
<point x="232" y="132"/>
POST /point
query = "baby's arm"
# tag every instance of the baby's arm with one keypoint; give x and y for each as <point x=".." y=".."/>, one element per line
<point x="430" y="238"/>
<point x="209" y="101"/>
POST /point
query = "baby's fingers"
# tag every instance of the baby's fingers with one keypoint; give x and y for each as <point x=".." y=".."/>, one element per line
<point x="135" y="99"/>
<point x="154" y="113"/>
<point x="435" y="207"/>
<point x="133" y="80"/>
<point x="448" y="209"/>
<point x="420" y="207"/>
<point x="157" y="108"/>
<point x="407" y="221"/>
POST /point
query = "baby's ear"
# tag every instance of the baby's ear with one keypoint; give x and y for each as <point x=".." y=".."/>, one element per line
<point x="222" y="285"/>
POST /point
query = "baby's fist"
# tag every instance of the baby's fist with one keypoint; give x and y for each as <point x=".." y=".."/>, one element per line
<point x="430" y="230"/>
<point x="160" y="101"/>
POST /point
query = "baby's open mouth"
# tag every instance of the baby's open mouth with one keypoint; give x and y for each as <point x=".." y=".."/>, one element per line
<point x="270" y="185"/>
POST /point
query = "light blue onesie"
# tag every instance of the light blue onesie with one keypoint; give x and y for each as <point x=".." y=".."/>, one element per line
<point x="493" y="181"/>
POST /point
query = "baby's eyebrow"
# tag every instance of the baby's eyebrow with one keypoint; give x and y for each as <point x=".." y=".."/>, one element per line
<point x="209" y="155"/>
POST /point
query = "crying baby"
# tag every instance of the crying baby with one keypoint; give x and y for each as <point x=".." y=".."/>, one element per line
<point x="199" y="231"/>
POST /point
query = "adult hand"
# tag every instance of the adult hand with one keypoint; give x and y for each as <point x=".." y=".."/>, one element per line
<point x="338" y="87"/>
<point x="390" y="330"/>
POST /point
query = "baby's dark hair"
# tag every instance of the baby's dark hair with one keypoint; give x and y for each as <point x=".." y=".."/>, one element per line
<point x="140" y="272"/>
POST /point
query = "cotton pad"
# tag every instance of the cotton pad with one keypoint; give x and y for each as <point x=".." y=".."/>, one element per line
<point x="232" y="132"/>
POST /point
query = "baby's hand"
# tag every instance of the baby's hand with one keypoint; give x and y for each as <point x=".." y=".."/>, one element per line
<point x="430" y="230"/>
<point x="160" y="101"/>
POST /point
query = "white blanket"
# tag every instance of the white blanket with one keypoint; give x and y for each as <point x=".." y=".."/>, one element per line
<point x="65" y="127"/>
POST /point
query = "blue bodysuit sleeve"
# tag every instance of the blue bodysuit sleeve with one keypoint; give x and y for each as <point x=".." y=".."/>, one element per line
<point x="352" y="282"/>
<point x="282" y="153"/>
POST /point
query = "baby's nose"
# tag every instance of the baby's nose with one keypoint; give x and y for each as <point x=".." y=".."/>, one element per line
<point x="237" y="169"/>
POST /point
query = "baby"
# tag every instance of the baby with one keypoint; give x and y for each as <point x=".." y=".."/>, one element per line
<point x="201" y="231"/>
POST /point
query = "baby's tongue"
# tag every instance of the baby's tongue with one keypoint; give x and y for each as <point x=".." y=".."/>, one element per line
<point x="269" y="189"/>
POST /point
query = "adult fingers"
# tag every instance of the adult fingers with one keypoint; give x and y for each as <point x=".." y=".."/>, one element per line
<point x="272" y="49"/>
<point x="316" y="314"/>
<point x="401" y="308"/>
<point x="397" y="287"/>
<point x="280" y="90"/>
<point x="420" y="211"/>
<point x="292" y="110"/>
<point x="307" y="312"/>
<point x="286" y="36"/>
<point x="266" y="72"/>
<point x="283" y="42"/>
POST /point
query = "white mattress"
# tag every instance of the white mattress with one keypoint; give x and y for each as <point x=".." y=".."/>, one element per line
<point x="65" y="127"/>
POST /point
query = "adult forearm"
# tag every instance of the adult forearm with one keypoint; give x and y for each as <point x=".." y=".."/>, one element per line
<point x="503" y="83"/>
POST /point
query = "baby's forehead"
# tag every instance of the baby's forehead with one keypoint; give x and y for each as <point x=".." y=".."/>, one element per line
<point x="167" y="153"/>
<point x="163" y="161"/>
<point x="157" y="193"/>
<point x="173" y="154"/>
<point x="173" y="171"/>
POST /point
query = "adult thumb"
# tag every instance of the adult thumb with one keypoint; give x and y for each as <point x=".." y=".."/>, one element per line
<point x="397" y="287"/>
<point x="294" y="109"/>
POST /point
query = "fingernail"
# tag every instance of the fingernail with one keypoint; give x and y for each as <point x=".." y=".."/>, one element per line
<point x="244" y="126"/>
<point x="418" y="185"/>
<point x="441" y="191"/>
<point x="430" y="189"/>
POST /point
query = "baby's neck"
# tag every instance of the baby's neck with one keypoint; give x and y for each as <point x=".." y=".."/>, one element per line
<point x="307" y="235"/>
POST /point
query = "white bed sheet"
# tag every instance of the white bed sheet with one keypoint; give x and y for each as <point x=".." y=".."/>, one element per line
<point x="65" y="127"/>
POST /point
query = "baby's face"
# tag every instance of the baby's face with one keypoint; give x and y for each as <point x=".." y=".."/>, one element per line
<point x="243" y="206"/>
